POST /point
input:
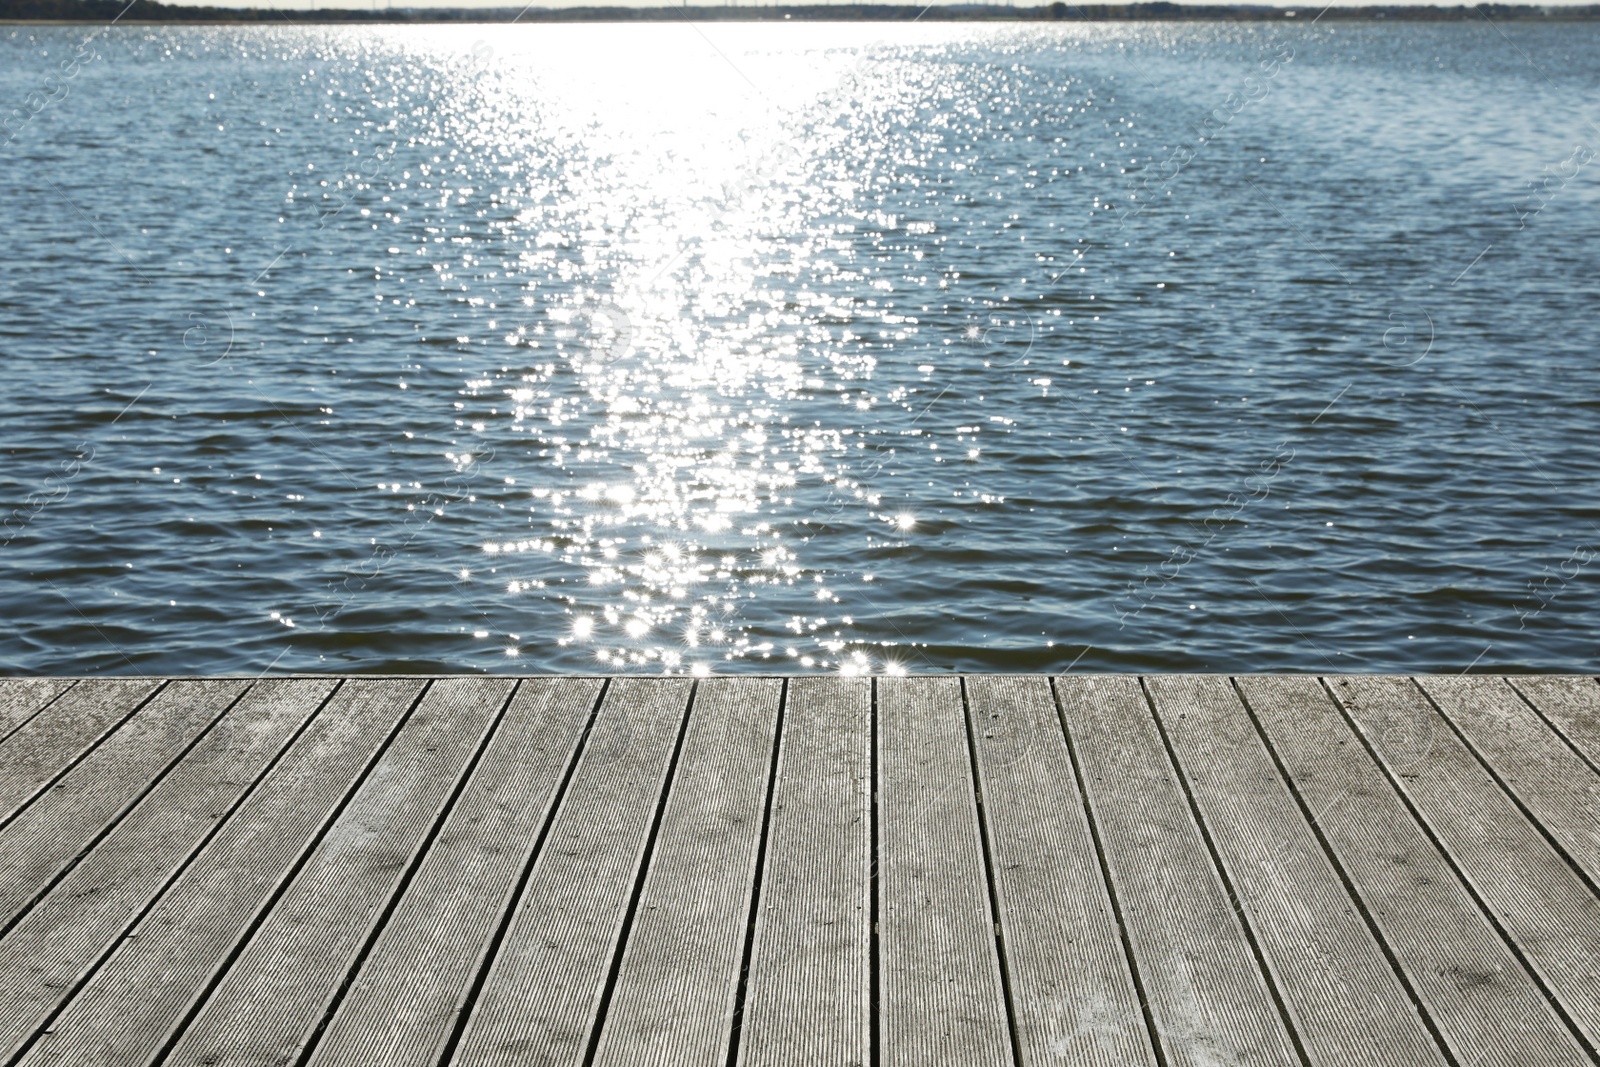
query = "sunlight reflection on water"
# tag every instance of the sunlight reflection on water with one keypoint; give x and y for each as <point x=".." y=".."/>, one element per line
<point x="815" y="347"/>
<point x="674" y="426"/>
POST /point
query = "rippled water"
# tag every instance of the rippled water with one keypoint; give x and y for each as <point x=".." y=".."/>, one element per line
<point x="822" y="347"/>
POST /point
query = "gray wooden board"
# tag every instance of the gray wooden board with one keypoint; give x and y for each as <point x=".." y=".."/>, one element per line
<point x="1344" y="998"/>
<point x="404" y="1003"/>
<point x="940" y="993"/>
<point x="1571" y="704"/>
<point x="41" y="841"/>
<point x="1208" y="997"/>
<point x="807" y="998"/>
<point x="148" y="984"/>
<point x="57" y="941"/>
<point x="1553" y="783"/>
<point x="541" y="997"/>
<point x="47" y="745"/>
<point x="104" y="815"/>
<point x="23" y="698"/>
<point x="277" y="990"/>
<point x="673" y="1001"/>
<point x="1540" y="901"/>
<point x="1073" y="992"/>
<point x="1480" y="998"/>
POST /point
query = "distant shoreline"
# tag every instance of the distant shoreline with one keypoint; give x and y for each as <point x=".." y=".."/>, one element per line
<point x="151" y="12"/>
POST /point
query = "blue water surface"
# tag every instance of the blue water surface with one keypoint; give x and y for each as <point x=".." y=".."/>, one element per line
<point x="847" y="348"/>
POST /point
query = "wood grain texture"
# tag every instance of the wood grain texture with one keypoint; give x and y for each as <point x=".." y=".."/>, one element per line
<point x="810" y="968"/>
<point x="46" y="746"/>
<point x="42" y="840"/>
<point x="1208" y="997"/>
<point x="305" y="872"/>
<point x="137" y="998"/>
<point x="1541" y="903"/>
<point x="1554" y="784"/>
<point x="941" y="998"/>
<point x="673" y="1001"/>
<point x="61" y="937"/>
<point x="1070" y="980"/>
<point x="1479" y="997"/>
<point x="404" y="1004"/>
<point x="1571" y="704"/>
<point x="277" y="990"/>
<point x="23" y="698"/>
<point x="1345" y="1001"/>
<point x="540" y="1001"/>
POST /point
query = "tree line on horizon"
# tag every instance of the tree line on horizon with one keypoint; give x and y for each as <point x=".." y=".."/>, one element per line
<point x="155" y="11"/>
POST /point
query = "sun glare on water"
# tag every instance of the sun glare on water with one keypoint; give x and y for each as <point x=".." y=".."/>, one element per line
<point x="655" y="388"/>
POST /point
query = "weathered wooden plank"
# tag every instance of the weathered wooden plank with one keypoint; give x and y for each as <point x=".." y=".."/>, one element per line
<point x="43" y="839"/>
<point x="1542" y="904"/>
<point x="263" y="927"/>
<point x="1208" y="998"/>
<point x="673" y="1000"/>
<point x="132" y="1002"/>
<point x="1480" y="999"/>
<point x="47" y="745"/>
<point x="1074" y="995"/>
<point x="1571" y="704"/>
<point x="403" y="1006"/>
<point x="1345" y="1001"/>
<point x="940" y="996"/>
<point x="23" y="698"/>
<point x="45" y="955"/>
<point x="278" y="989"/>
<point x="540" y="1000"/>
<point x="1553" y="783"/>
<point x="809" y="989"/>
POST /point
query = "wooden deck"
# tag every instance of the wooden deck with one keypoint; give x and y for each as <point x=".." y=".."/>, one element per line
<point x="1174" y="870"/>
